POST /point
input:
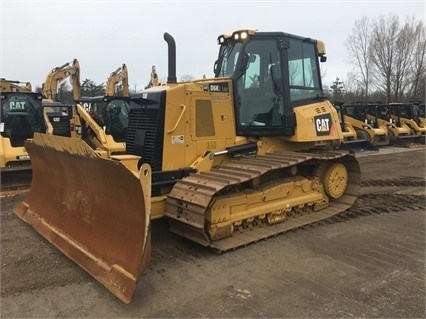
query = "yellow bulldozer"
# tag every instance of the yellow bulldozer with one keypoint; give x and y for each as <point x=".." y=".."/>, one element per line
<point x="227" y="161"/>
<point x="422" y="112"/>
<point x="409" y="114"/>
<point x="358" y="135"/>
<point x="79" y="118"/>
<point x="111" y="111"/>
<point x="399" y="119"/>
<point x="21" y="116"/>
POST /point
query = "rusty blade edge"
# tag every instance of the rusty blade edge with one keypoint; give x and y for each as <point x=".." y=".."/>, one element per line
<point x="119" y="282"/>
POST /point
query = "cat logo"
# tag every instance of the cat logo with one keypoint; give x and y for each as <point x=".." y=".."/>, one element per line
<point x="323" y="125"/>
<point x="17" y="106"/>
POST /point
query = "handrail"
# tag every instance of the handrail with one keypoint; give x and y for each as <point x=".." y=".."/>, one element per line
<point x="180" y="117"/>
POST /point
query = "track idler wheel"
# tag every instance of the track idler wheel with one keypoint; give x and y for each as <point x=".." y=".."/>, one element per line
<point x="335" y="180"/>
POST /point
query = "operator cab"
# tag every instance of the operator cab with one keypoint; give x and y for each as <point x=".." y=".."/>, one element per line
<point x="362" y="112"/>
<point x="21" y="116"/>
<point x="272" y="73"/>
<point x="111" y="113"/>
<point x="410" y="111"/>
<point x="422" y="110"/>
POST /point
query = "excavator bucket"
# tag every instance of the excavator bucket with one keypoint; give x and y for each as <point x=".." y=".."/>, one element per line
<point x="94" y="210"/>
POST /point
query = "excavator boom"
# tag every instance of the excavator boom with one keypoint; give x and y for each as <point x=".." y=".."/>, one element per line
<point x="154" y="77"/>
<point x="58" y="74"/>
<point x="119" y="76"/>
<point x="15" y="86"/>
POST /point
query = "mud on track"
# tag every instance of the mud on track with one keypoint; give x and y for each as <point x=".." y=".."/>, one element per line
<point x="367" y="262"/>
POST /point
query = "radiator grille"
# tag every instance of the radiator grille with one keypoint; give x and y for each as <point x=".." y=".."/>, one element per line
<point x="143" y="138"/>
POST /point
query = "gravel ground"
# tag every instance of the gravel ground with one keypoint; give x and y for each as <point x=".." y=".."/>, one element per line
<point x="369" y="262"/>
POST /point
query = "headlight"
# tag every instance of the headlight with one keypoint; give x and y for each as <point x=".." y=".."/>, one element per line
<point x="221" y="39"/>
<point x="242" y="35"/>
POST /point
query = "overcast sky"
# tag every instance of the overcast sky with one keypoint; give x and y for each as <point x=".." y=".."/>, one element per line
<point x="37" y="36"/>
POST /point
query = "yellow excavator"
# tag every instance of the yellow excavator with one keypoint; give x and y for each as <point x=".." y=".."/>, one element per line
<point x="154" y="77"/>
<point x="227" y="161"/>
<point x="61" y="119"/>
<point x="21" y="116"/>
<point x="111" y="112"/>
<point x="118" y="77"/>
<point x="79" y="118"/>
<point x="15" y="86"/>
<point x="58" y="74"/>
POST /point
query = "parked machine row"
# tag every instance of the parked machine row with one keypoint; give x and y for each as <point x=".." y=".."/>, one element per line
<point x="101" y="121"/>
<point x="371" y="125"/>
<point x="21" y="116"/>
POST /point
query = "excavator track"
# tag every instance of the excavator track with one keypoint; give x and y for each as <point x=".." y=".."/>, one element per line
<point x="235" y="204"/>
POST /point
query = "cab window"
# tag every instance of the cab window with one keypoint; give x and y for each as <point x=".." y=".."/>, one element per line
<point x="303" y="73"/>
<point x="259" y="87"/>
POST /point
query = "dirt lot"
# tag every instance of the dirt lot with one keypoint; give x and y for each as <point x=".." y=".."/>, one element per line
<point x="368" y="262"/>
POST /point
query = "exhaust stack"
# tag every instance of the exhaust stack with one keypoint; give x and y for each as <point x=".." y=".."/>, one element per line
<point x="171" y="78"/>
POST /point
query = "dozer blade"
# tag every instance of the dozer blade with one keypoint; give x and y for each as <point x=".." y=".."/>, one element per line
<point x="94" y="210"/>
<point x="360" y="145"/>
<point x="410" y="141"/>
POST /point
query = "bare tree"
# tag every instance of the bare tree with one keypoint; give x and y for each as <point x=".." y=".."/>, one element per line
<point x="354" y="84"/>
<point x="418" y="74"/>
<point x="358" y="48"/>
<point x="403" y="60"/>
<point x="389" y="59"/>
<point x="383" y="52"/>
<point x="186" y="78"/>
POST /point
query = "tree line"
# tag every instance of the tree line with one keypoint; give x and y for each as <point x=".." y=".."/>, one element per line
<point x="389" y="61"/>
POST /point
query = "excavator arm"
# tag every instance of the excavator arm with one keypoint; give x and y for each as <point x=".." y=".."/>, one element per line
<point x="15" y="86"/>
<point x="118" y="76"/>
<point x="70" y="69"/>
<point x="91" y="132"/>
<point x="154" y="77"/>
